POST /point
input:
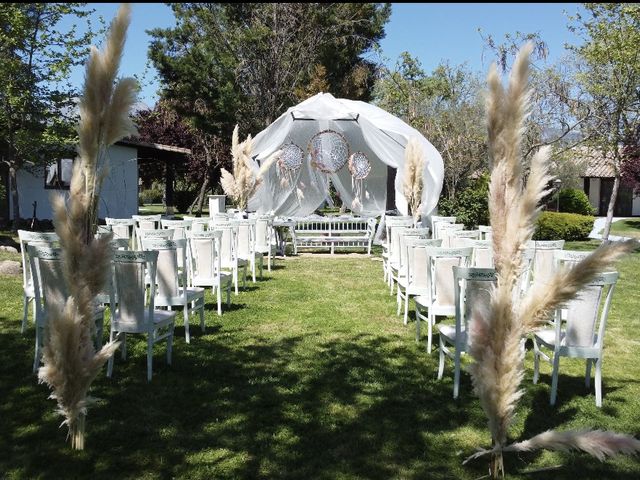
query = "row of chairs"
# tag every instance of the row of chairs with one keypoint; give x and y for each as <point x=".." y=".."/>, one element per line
<point x="454" y="280"/>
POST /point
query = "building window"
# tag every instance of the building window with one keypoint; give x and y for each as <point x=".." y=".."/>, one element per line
<point x="58" y="174"/>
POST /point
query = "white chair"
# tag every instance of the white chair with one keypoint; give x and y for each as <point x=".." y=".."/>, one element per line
<point x="415" y="280"/>
<point x="145" y="222"/>
<point x="34" y="238"/>
<point x="399" y="267"/>
<point x="482" y="256"/>
<point x="265" y="238"/>
<point x="389" y="223"/>
<point x="132" y="315"/>
<point x="393" y="252"/>
<point x="246" y="245"/>
<point x="173" y="289"/>
<point x="435" y="219"/>
<point x="458" y="238"/>
<point x="582" y="335"/>
<point x="179" y="227"/>
<point x="440" y="300"/>
<point x="198" y="224"/>
<point x="122" y="228"/>
<point x="50" y="287"/>
<point x="543" y="266"/>
<point x="446" y="232"/>
<point x="472" y="288"/>
<point x="205" y="264"/>
<point x="218" y="217"/>
<point x="229" y="254"/>
<point x="485" y="232"/>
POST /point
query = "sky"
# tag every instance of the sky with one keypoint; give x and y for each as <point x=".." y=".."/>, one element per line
<point x="431" y="32"/>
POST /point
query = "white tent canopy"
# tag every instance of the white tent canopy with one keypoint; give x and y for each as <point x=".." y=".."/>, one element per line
<point x="366" y="128"/>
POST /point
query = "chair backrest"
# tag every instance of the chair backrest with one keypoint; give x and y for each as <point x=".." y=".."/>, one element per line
<point x="129" y="269"/>
<point x="441" y="260"/>
<point x="168" y="277"/>
<point x="199" y="224"/>
<point x="120" y="244"/>
<point x="439" y="218"/>
<point x="394" y="242"/>
<point x="214" y="218"/>
<point x="245" y="234"/>
<point x="228" y="244"/>
<point x="203" y="253"/>
<point x="165" y="234"/>
<point x="264" y="230"/>
<point x="48" y="276"/>
<point x="587" y="313"/>
<point x="543" y="263"/>
<point x="405" y="234"/>
<point x="482" y="252"/>
<point x="445" y="232"/>
<point x="417" y="260"/>
<point x="395" y="221"/>
<point x="472" y="291"/>
<point x="122" y="227"/>
<point x="33" y="238"/>
<point x="147" y="222"/>
<point x="568" y="258"/>
<point x="179" y="227"/>
<point x="485" y="231"/>
<point x="457" y="238"/>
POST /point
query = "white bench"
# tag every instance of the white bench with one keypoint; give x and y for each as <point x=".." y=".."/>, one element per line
<point x="335" y="232"/>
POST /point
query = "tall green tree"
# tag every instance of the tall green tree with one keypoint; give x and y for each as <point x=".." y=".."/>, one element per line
<point x="249" y="62"/>
<point x="609" y="79"/>
<point x="37" y="111"/>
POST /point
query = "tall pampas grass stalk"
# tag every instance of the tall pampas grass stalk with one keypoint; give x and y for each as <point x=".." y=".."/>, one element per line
<point x="243" y="182"/>
<point x="495" y="334"/>
<point x="70" y="360"/>
<point x="412" y="181"/>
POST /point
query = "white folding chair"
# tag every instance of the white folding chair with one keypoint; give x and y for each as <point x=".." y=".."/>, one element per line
<point x="265" y="238"/>
<point x="583" y="333"/>
<point x="229" y="254"/>
<point x="472" y="287"/>
<point x="50" y="287"/>
<point x="246" y="245"/>
<point x="34" y="238"/>
<point x="129" y="269"/>
<point x="173" y="289"/>
<point x="440" y="300"/>
<point x="205" y="266"/>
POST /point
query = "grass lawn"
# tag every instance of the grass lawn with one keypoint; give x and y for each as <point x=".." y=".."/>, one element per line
<point x="626" y="228"/>
<point x="310" y="374"/>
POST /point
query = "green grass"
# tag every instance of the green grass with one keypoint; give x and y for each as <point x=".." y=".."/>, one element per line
<point x="310" y="374"/>
<point x="626" y="228"/>
<point x="155" y="208"/>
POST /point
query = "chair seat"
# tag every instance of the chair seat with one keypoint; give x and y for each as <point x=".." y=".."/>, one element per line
<point x="439" y="309"/>
<point x="449" y="332"/>
<point x="161" y="318"/>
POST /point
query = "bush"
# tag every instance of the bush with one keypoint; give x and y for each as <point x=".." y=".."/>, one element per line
<point x="575" y="201"/>
<point x="150" y="195"/>
<point x="563" y="226"/>
<point x="469" y="206"/>
<point x="182" y="200"/>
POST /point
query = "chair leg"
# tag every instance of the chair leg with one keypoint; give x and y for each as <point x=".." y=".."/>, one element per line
<point x="235" y="279"/>
<point x="554" y="378"/>
<point x="456" y="372"/>
<point x="37" y="353"/>
<point x="185" y="314"/>
<point x="201" y="308"/>
<point x="441" y="364"/>
<point x="170" y="345"/>
<point x="536" y="361"/>
<point x="417" y="323"/>
<point x="587" y="377"/>
<point x="228" y="295"/>
<point x="398" y="300"/>
<point x="124" y="346"/>
<point x="149" y="357"/>
<point x="111" y="358"/>
<point x="598" y="382"/>
<point x="406" y="307"/>
<point x="25" y="308"/>
<point x="429" y="331"/>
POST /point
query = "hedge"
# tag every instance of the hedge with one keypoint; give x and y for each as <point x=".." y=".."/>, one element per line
<point x="573" y="200"/>
<point x="563" y="226"/>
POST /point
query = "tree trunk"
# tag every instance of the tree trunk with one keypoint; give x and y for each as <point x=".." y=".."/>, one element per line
<point x="14" y="196"/>
<point x="612" y="203"/>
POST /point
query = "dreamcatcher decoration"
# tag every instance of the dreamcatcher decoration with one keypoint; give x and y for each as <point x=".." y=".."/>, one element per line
<point x="359" y="167"/>
<point x="289" y="163"/>
<point x="329" y="151"/>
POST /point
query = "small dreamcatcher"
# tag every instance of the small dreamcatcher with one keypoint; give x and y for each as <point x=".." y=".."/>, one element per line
<point x="329" y="151"/>
<point x="289" y="162"/>
<point x="359" y="167"/>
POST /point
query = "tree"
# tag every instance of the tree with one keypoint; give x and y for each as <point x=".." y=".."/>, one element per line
<point x="609" y="78"/>
<point x="249" y="62"/>
<point x="37" y="107"/>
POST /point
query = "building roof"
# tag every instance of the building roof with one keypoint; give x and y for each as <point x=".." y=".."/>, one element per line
<point x="596" y="164"/>
<point x="155" y="146"/>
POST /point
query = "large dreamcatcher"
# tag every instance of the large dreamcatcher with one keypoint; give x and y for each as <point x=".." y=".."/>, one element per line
<point x="359" y="167"/>
<point x="289" y="163"/>
<point x="329" y="151"/>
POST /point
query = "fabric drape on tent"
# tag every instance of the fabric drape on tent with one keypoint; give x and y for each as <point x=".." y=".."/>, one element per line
<point x="381" y="136"/>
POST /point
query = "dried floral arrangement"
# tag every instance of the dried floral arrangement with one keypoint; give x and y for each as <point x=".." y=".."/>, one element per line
<point x="495" y="334"/>
<point x="243" y="183"/>
<point x="412" y="180"/>
<point x="69" y="357"/>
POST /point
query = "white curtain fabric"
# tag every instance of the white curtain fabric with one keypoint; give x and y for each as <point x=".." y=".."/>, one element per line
<point x="381" y="136"/>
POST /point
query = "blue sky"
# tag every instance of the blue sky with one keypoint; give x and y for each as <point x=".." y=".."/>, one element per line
<point x="432" y="32"/>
